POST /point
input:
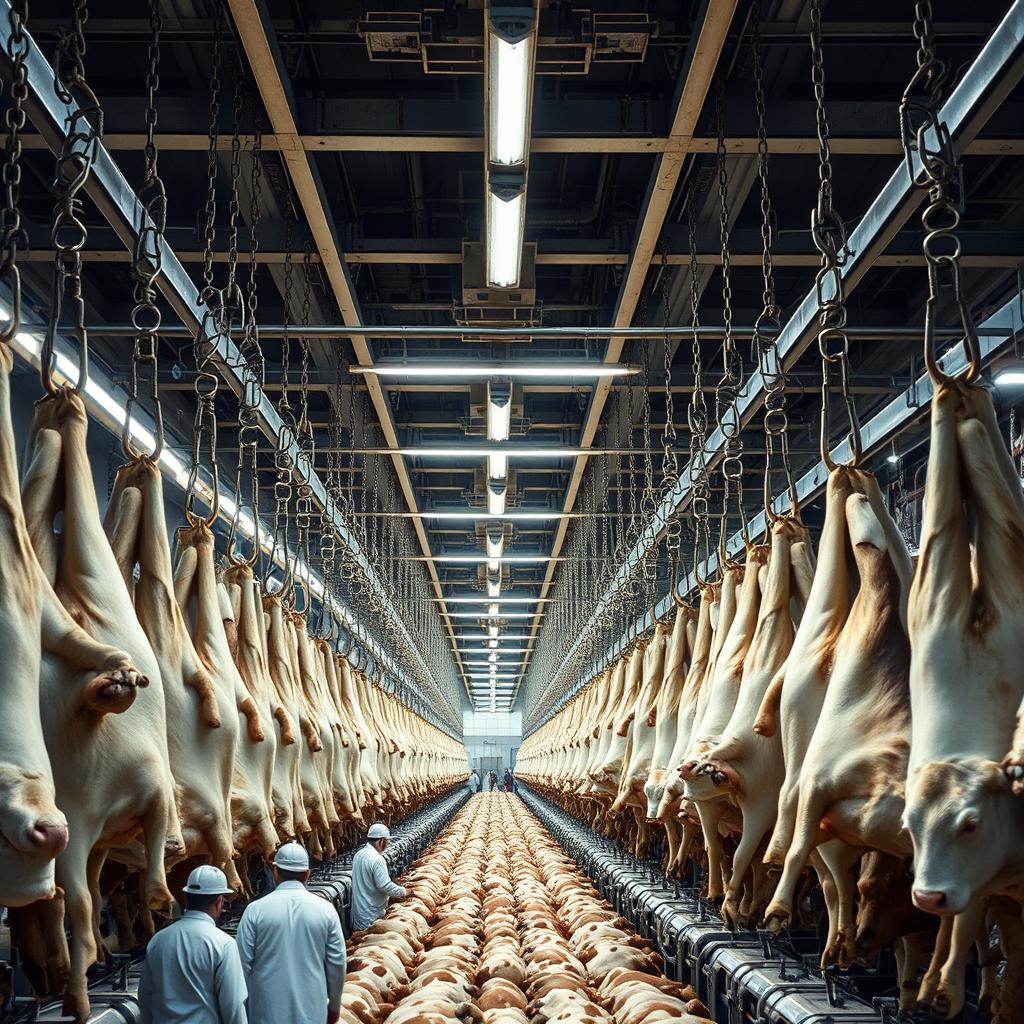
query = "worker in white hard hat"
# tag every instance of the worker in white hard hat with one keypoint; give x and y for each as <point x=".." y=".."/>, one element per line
<point x="371" y="883"/>
<point x="292" y="949"/>
<point x="192" y="974"/>
<point x="473" y="782"/>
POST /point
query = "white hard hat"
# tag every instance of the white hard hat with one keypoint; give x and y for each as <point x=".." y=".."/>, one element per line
<point x="291" y="857"/>
<point x="378" y="831"/>
<point x="206" y="880"/>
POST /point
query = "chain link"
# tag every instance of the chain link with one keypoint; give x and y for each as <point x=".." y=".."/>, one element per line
<point x="235" y="177"/>
<point x="207" y="293"/>
<point x="69" y="235"/>
<point x="147" y="264"/>
<point x="12" y="234"/>
<point x="768" y="324"/>
<point x="926" y="135"/>
<point x="829" y="234"/>
<point x="253" y="377"/>
<point x="731" y="382"/>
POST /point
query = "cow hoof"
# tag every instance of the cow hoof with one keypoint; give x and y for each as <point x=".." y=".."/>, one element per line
<point x="114" y="692"/>
<point x="776" y="918"/>
<point x="1013" y="768"/>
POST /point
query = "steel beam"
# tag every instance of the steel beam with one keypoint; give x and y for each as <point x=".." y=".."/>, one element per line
<point x="903" y="412"/>
<point x="117" y="202"/>
<point x="985" y="84"/>
<point x="253" y="24"/>
<point x="197" y="142"/>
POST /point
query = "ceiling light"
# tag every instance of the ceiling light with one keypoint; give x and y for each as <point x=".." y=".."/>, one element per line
<point x="504" y="238"/>
<point x="493" y="631"/>
<point x="493" y="608"/>
<point x="493" y="659"/>
<point x="1011" y="377"/>
<point x="478" y="559"/>
<point x="510" y="76"/>
<point x="497" y="466"/>
<point x="483" y="370"/>
<point x="484" y="600"/>
<point x="492" y="643"/>
<point x="494" y="585"/>
<point x="894" y="458"/>
<point x="497" y="492"/>
<point x="499" y="411"/>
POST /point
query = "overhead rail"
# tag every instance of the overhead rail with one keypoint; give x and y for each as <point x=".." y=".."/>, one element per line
<point x="877" y="433"/>
<point x="991" y="76"/>
<point x="118" y="203"/>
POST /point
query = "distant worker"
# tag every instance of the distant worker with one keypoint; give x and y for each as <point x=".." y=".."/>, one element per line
<point x="508" y="781"/>
<point x="292" y="949"/>
<point x="494" y="780"/>
<point x="474" y="782"/>
<point x="371" y="883"/>
<point x="192" y="973"/>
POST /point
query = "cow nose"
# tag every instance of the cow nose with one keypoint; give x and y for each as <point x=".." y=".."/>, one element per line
<point x="47" y="838"/>
<point x="930" y="902"/>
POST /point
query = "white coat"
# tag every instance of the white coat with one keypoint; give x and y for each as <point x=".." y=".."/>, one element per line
<point x="371" y="887"/>
<point x="474" y="783"/>
<point x="192" y="975"/>
<point x="293" y="955"/>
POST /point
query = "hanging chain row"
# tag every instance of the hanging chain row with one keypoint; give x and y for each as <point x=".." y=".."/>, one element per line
<point x="147" y="265"/>
<point x="68" y="234"/>
<point x="926" y="137"/>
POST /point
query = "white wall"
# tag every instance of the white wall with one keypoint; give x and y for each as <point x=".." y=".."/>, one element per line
<point x="492" y="740"/>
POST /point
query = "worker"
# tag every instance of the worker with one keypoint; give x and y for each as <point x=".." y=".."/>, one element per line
<point x="192" y="973"/>
<point x="493" y="779"/>
<point x="507" y="781"/>
<point x="474" y="782"/>
<point x="371" y="883"/>
<point x="292" y="949"/>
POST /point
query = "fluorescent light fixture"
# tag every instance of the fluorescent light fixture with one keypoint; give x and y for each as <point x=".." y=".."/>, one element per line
<point x="483" y="370"/>
<point x="494" y="608"/>
<point x="499" y="411"/>
<point x="494" y="538"/>
<point x="484" y="600"/>
<point x="508" y="450"/>
<point x="504" y="239"/>
<point x="493" y="631"/>
<point x="510" y="72"/>
<point x="497" y="493"/>
<point x="497" y="466"/>
<point x="492" y="643"/>
<point x="494" y="586"/>
<point x="493" y="659"/>
<point x="468" y="517"/>
<point x="894" y="458"/>
<point x="1011" y="377"/>
<point x="495" y="614"/>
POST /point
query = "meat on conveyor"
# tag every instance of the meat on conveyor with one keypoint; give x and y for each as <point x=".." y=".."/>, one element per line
<point x="501" y="926"/>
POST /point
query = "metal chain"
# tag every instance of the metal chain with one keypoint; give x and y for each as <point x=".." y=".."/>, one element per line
<point x="926" y="135"/>
<point x="69" y="235"/>
<point x="731" y="382"/>
<point x="697" y="413"/>
<point x="235" y="177"/>
<point x="307" y="450"/>
<point x="206" y="295"/>
<point x="768" y="324"/>
<point x="284" y="404"/>
<point x="253" y="377"/>
<point x="147" y="264"/>
<point x="829" y="234"/>
<point x="12" y="235"/>
<point x="204" y="428"/>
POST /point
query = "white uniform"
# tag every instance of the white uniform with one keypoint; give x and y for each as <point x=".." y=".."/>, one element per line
<point x="293" y="955"/>
<point x="474" y="783"/>
<point x="192" y="975"/>
<point x="371" y="887"/>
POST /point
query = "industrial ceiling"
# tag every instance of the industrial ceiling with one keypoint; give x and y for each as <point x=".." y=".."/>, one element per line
<point x="520" y="515"/>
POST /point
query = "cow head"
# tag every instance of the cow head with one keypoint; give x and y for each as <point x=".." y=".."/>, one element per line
<point x="962" y="821"/>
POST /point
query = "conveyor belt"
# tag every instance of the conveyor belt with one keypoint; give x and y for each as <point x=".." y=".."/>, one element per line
<point x="740" y="976"/>
<point x="114" y="999"/>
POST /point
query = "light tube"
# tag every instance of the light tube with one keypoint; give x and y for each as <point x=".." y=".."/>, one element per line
<point x="497" y="492"/>
<point x="1010" y="378"/>
<point x="483" y="370"/>
<point x="488" y="649"/>
<point x="484" y="600"/>
<point x="509" y="72"/>
<point x="494" y="608"/>
<point x="508" y="451"/>
<point x="496" y="614"/>
<point x="478" y="559"/>
<point x="499" y="412"/>
<point x="504" y="239"/>
<point x="497" y="466"/>
<point x="494" y="587"/>
<point x="492" y="643"/>
<point x="493" y="631"/>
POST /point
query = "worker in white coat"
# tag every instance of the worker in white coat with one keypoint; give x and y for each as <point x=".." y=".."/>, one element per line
<point x="192" y="974"/>
<point x="292" y="949"/>
<point x="474" y="782"/>
<point x="371" y="883"/>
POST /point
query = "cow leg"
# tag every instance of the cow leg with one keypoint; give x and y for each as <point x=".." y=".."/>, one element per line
<point x="940" y="953"/>
<point x="1008" y="1007"/>
<point x="39" y="497"/>
<point x="989" y="956"/>
<point x="710" y="814"/>
<point x="948" y="1000"/>
<point x="814" y="802"/>
<point x="73" y="878"/>
<point x="121" y="524"/>
<point x="829" y="894"/>
<point x="95" y="865"/>
<point x="909" y="956"/>
<point x="756" y="822"/>
<point x="840" y="859"/>
<point x="160" y="842"/>
<point x="222" y="853"/>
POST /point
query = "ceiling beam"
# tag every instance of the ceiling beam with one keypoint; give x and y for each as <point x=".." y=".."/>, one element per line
<point x="695" y="82"/>
<point x="252" y="22"/>
<point x="196" y="142"/>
